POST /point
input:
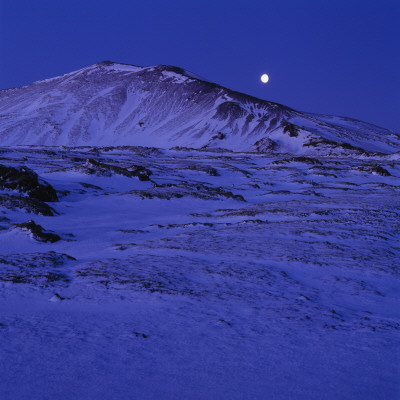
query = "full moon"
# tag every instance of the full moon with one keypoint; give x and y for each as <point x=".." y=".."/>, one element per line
<point x="264" y="78"/>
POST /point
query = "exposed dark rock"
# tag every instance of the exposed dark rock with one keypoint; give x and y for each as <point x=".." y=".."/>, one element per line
<point x="320" y="142"/>
<point x="143" y="335"/>
<point x="140" y="274"/>
<point x="293" y="130"/>
<point x="212" y="171"/>
<point x="25" y="203"/>
<point x="37" y="232"/>
<point x="375" y="169"/>
<point x="204" y="168"/>
<point x="349" y="146"/>
<point x="265" y="145"/>
<point x="139" y="150"/>
<point x="335" y="145"/>
<point x="229" y="110"/>
<point x="380" y="171"/>
<point x="205" y="148"/>
<point x="219" y="136"/>
<point x="93" y="167"/>
<point x="58" y="297"/>
<point x="171" y="190"/>
<point x="39" y="269"/>
<point x="90" y="186"/>
<point x="306" y="160"/>
<point x="74" y="159"/>
<point x="25" y="180"/>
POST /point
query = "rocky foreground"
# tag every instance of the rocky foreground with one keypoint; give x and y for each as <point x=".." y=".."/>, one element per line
<point x="135" y="272"/>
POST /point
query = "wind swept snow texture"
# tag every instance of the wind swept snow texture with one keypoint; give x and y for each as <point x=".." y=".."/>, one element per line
<point x="110" y="104"/>
<point x="184" y="274"/>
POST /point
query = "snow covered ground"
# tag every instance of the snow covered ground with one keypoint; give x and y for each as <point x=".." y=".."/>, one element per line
<point x="220" y="275"/>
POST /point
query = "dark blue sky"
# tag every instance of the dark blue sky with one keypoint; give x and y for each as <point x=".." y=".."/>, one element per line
<point x="335" y="57"/>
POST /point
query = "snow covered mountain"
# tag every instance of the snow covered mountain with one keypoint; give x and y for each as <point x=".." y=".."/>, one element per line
<point x="110" y="104"/>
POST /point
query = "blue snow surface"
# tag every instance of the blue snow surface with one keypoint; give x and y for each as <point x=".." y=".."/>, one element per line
<point x="225" y="276"/>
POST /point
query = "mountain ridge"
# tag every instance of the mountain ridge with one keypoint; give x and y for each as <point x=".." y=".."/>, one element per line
<point x="164" y="106"/>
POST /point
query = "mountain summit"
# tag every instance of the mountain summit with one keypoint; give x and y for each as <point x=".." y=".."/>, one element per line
<point x="109" y="104"/>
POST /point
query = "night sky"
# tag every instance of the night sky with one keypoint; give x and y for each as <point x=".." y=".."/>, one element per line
<point x="332" y="57"/>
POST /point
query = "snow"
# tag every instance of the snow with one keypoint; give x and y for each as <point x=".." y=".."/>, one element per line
<point x="290" y="294"/>
<point x="113" y="104"/>
<point x="177" y="78"/>
<point x="125" y="68"/>
<point x="358" y="133"/>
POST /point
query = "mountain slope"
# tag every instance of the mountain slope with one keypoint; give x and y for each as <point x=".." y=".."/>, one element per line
<point x="163" y="106"/>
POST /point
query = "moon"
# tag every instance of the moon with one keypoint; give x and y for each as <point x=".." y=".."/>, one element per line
<point x="264" y="78"/>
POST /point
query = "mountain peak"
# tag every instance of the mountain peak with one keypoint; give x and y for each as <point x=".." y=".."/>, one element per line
<point x="111" y="103"/>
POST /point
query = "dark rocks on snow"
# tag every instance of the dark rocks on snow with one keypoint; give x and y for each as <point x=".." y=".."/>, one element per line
<point x="229" y="110"/>
<point x="139" y="150"/>
<point x="90" y="186"/>
<point x="380" y="171"/>
<point x="169" y="191"/>
<point x="39" y="269"/>
<point x="219" y="136"/>
<point x="25" y="180"/>
<point x="375" y="169"/>
<point x="25" y="203"/>
<point x="338" y="147"/>
<point x="94" y="167"/>
<point x="142" y="335"/>
<point x="37" y="232"/>
<point x="204" y="168"/>
<point x="215" y="139"/>
<point x="265" y="145"/>
<point x="306" y="160"/>
<point x="293" y="130"/>
<point x="212" y="171"/>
